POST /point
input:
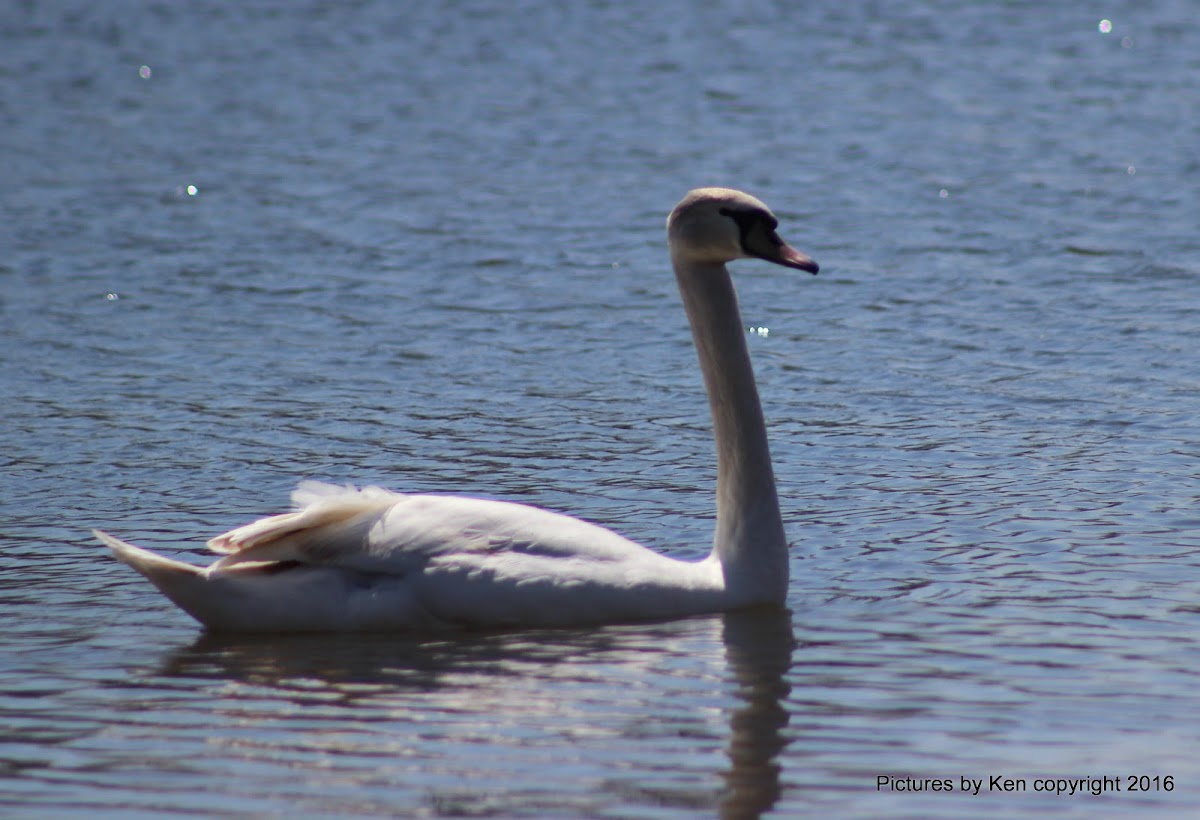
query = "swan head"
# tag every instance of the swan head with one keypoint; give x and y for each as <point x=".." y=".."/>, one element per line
<point x="718" y="225"/>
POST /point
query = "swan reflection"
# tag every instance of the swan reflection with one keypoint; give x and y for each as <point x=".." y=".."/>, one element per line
<point x="637" y="713"/>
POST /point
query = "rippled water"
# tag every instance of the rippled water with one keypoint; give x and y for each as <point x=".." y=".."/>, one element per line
<point x="422" y="247"/>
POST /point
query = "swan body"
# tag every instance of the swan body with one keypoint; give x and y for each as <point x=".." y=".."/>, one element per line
<point x="371" y="559"/>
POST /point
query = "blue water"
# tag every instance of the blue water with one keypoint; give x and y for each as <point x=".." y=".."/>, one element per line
<point x="421" y="245"/>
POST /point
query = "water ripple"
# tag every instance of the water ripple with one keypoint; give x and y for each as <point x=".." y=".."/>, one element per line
<point x="422" y="248"/>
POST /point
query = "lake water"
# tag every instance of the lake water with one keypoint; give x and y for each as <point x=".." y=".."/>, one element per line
<point x="421" y="245"/>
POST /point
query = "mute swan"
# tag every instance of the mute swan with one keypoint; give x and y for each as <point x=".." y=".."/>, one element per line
<point x="351" y="559"/>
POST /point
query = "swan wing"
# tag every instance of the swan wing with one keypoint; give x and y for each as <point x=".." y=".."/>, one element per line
<point x="377" y="531"/>
<point x="317" y="505"/>
<point x="373" y="559"/>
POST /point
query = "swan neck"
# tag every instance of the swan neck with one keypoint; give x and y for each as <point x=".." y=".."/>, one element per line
<point x="749" y="539"/>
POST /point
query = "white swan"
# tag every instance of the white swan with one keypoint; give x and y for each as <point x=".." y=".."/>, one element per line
<point x="352" y="559"/>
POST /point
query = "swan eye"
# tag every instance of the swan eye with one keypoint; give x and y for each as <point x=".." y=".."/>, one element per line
<point x="747" y="221"/>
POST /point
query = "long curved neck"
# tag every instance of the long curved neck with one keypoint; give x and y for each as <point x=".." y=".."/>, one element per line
<point x="749" y="538"/>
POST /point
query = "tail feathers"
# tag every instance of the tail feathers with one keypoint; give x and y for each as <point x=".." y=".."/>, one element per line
<point x="186" y="585"/>
<point x="263" y="599"/>
<point x="150" y="564"/>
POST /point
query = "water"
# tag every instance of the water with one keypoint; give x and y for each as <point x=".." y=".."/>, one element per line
<point x="422" y="247"/>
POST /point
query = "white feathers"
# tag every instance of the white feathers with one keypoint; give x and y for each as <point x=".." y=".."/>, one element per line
<point x="349" y="559"/>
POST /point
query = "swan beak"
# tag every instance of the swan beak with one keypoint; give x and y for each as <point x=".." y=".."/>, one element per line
<point x="784" y="254"/>
<point x="764" y="243"/>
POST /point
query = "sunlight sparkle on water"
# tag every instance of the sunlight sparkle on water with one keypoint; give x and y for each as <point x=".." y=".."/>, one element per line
<point x="1105" y="26"/>
<point x="144" y="72"/>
